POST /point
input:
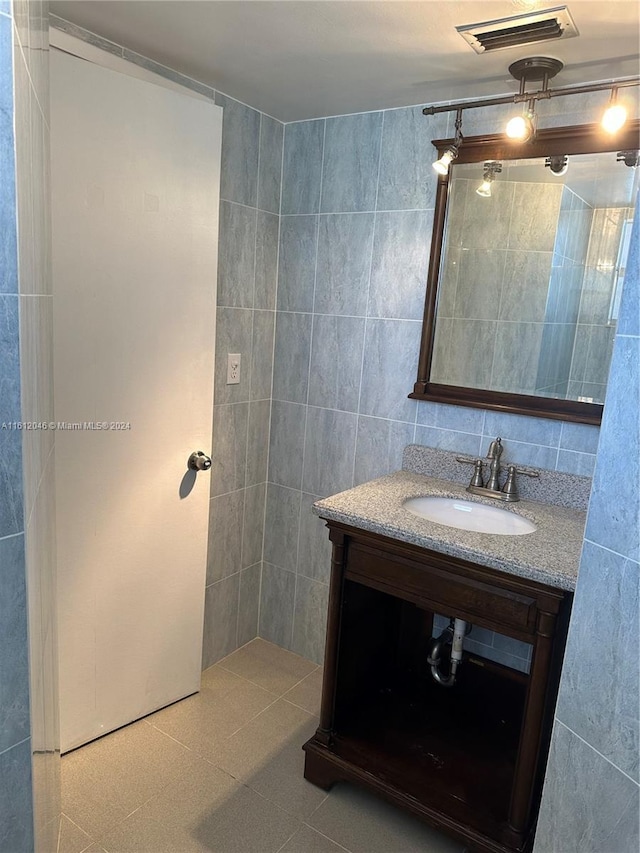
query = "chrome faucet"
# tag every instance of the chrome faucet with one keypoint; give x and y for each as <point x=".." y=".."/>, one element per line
<point x="508" y="492"/>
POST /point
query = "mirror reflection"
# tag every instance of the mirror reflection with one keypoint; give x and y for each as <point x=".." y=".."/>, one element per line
<point x="531" y="275"/>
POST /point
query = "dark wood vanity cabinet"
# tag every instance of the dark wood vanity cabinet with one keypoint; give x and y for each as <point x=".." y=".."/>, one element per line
<point x="469" y="759"/>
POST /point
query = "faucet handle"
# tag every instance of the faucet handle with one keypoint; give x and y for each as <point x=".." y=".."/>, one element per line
<point x="511" y="487"/>
<point x="477" y="478"/>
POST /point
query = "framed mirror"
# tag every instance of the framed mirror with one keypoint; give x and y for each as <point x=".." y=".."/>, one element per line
<point x="525" y="276"/>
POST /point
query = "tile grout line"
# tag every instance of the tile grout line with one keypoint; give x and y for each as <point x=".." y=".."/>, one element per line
<point x="273" y="359"/>
<point x="366" y="309"/>
<point x="306" y="404"/>
<point x="597" y="752"/>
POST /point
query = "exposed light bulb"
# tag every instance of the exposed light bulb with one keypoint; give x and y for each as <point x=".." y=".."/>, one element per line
<point x="442" y="165"/>
<point x="519" y="127"/>
<point x="484" y="189"/>
<point x="614" y="117"/>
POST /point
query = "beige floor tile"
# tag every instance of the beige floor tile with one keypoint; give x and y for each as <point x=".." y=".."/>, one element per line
<point x="126" y="768"/>
<point x="246" y="823"/>
<point x="207" y="811"/>
<point x="269" y="666"/>
<point x="260" y="742"/>
<point x="139" y="834"/>
<point x="307" y="693"/>
<point x="307" y="840"/>
<point x="83" y="802"/>
<point x="95" y="848"/>
<point x="281" y="779"/>
<point x="192" y="798"/>
<point x="364" y="823"/>
<point x="72" y="839"/>
<point x="202" y="722"/>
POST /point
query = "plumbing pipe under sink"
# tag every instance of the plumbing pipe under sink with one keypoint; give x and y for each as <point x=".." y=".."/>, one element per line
<point x="454" y="633"/>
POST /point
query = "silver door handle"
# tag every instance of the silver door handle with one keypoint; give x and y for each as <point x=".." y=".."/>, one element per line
<point x="199" y="461"/>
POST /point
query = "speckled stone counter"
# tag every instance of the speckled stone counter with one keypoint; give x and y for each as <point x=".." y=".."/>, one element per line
<point x="550" y="554"/>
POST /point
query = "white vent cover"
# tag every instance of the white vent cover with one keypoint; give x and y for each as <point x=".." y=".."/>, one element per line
<point x="519" y="30"/>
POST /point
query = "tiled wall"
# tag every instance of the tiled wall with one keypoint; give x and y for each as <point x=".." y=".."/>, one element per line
<point x="247" y="277"/>
<point x="29" y="757"/>
<point x="591" y="795"/>
<point x="357" y="207"/>
<point x="250" y="185"/>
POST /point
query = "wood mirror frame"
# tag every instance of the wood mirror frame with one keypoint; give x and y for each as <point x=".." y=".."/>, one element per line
<point x="580" y="139"/>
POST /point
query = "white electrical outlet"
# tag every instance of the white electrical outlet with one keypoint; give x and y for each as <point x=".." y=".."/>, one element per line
<point x="233" y="368"/>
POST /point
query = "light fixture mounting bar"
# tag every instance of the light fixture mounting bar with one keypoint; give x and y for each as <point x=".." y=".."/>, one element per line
<point x="541" y="94"/>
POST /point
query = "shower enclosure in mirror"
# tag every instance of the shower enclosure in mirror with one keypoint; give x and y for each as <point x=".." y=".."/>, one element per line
<point x="527" y="267"/>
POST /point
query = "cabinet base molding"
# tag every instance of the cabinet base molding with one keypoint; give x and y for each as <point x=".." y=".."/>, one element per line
<point x="324" y="767"/>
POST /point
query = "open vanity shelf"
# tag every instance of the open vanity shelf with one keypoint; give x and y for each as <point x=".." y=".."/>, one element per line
<point x="468" y="759"/>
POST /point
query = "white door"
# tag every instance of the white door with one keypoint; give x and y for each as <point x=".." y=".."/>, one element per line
<point x="135" y="186"/>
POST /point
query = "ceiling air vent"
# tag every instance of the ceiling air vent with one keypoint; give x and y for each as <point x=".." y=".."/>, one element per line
<point x="519" y="30"/>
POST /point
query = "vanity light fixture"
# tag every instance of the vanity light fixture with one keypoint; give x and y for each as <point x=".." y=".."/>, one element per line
<point x="629" y="158"/>
<point x="442" y="165"/>
<point x="558" y="164"/>
<point x="491" y="169"/>
<point x="615" y="115"/>
<point x="521" y="127"/>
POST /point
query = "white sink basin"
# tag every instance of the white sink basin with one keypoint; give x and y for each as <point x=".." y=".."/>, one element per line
<point x="468" y="515"/>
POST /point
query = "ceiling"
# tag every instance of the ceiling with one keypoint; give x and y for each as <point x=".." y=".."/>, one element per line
<point x="300" y="59"/>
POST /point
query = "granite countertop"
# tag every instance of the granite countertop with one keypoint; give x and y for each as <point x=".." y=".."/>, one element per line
<point x="551" y="554"/>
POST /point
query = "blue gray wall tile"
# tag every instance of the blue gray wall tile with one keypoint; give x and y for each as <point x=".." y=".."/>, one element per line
<point x="14" y="661"/>
<point x="379" y="446"/>
<point x="286" y="444"/>
<point x="266" y="277"/>
<point x="389" y="371"/>
<point x="345" y="243"/>
<point x="249" y="605"/>
<point x="310" y="617"/>
<point x="16" y="809"/>
<point x="229" y="457"/>
<point x="609" y="587"/>
<point x="297" y="262"/>
<point x="292" y="354"/>
<point x="11" y="490"/>
<point x="276" y="605"/>
<point x="270" y="171"/>
<point x="8" y="231"/>
<point x="236" y="255"/>
<point x="224" y="552"/>
<point x="253" y="525"/>
<point x="258" y="442"/>
<point x="240" y="147"/>
<point x="262" y="354"/>
<point x="281" y="527"/>
<point x="406" y="175"/>
<point x="314" y="547"/>
<point x="351" y="161"/>
<point x="220" y="619"/>
<point x="399" y="267"/>
<point x="613" y="523"/>
<point x="590" y="796"/>
<point x="233" y="334"/>
<point x="329" y="451"/>
<point x="302" y="173"/>
<point x="336" y="362"/>
<point x="445" y="439"/>
<point x="589" y="806"/>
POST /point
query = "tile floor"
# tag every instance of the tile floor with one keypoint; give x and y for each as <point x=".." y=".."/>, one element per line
<point x="222" y="771"/>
